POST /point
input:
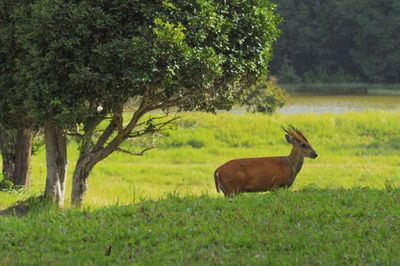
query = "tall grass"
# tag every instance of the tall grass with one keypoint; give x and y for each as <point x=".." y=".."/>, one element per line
<point x="355" y="150"/>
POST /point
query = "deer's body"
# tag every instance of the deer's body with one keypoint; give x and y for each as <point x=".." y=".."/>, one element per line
<point x="265" y="173"/>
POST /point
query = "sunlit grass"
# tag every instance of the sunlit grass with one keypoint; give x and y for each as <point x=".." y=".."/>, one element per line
<point x="342" y="209"/>
<point x="355" y="150"/>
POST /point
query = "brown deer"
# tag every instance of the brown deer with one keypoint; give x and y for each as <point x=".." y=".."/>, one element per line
<point x="265" y="173"/>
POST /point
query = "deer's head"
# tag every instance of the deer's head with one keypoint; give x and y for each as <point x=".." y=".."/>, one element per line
<point x="299" y="142"/>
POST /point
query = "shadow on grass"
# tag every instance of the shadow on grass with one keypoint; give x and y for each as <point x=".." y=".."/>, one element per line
<point x="34" y="204"/>
<point x="39" y="204"/>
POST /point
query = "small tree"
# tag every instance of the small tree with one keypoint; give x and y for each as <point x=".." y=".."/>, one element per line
<point x="84" y="60"/>
<point x="264" y="97"/>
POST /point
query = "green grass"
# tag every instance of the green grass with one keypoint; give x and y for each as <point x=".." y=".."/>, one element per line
<point x="163" y="209"/>
<point x="355" y="150"/>
<point x="310" y="226"/>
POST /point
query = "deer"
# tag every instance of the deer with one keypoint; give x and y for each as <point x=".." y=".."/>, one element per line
<point x="265" y="173"/>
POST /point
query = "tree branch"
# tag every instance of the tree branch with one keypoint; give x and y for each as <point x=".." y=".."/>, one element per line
<point x="135" y="154"/>
<point x="171" y="102"/>
<point x="156" y="128"/>
<point x="125" y="133"/>
<point x="115" y="123"/>
<point x="154" y="118"/>
<point x="74" y="134"/>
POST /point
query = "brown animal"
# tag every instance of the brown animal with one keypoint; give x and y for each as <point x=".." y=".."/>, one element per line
<point x="265" y="173"/>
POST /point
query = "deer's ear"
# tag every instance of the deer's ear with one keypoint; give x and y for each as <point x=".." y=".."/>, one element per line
<point x="289" y="139"/>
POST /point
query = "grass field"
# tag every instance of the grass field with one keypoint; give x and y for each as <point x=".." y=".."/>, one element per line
<point x="355" y="150"/>
<point x="311" y="226"/>
<point x="342" y="209"/>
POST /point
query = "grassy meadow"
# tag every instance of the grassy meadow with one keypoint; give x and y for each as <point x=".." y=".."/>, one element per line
<point x="310" y="226"/>
<point x="355" y="150"/>
<point x="343" y="207"/>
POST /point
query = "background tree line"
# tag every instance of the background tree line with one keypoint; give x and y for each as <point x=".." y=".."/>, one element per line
<point x="338" y="41"/>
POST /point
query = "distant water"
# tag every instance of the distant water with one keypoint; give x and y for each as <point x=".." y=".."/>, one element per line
<point x="339" y="104"/>
<point x="300" y="103"/>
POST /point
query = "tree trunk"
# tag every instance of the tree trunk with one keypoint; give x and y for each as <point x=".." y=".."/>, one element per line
<point x="23" y="151"/>
<point x="8" y="165"/>
<point x="57" y="163"/>
<point x="7" y="149"/>
<point x="90" y="155"/>
<point x="16" y="150"/>
<point x="79" y="179"/>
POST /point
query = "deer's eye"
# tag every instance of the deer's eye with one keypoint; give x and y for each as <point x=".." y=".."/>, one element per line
<point x="303" y="145"/>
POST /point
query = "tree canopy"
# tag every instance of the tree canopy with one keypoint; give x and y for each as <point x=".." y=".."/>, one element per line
<point x="81" y="61"/>
<point x="80" y="55"/>
<point x="10" y="99"/>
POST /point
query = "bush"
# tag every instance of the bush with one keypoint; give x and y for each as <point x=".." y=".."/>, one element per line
<point x="265" y="97"/>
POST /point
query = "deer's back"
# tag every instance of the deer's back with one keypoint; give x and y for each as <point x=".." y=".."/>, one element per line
<point x="253" y="174"/>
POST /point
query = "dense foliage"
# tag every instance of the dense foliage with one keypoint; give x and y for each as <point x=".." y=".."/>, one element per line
<point x="77" y="63"/>
<point x="264" y="97"/>
<point x="338" y="41"/>
<point x="79" y="55"/>
<point x="8" y="51"/>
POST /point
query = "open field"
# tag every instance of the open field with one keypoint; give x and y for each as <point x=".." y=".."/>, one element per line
<point x="342" y="209"/>
<point x="355" y="150"/>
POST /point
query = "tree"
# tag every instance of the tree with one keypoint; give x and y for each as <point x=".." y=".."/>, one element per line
<point x="15" y="133"/>
<point x="338" y="41"/>
<point x="375" y="51"/>
<point x="264" y="97"/>
<point x="83" y="61"/>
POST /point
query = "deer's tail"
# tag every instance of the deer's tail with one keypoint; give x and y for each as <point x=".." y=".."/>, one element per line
<point x="217" y="184"/>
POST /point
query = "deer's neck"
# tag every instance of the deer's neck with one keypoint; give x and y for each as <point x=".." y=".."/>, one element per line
<point x="295" y="162"/>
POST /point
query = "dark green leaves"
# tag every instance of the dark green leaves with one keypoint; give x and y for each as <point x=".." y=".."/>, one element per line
<point x="73" y="55"/>
<point x="338" y="41"/>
